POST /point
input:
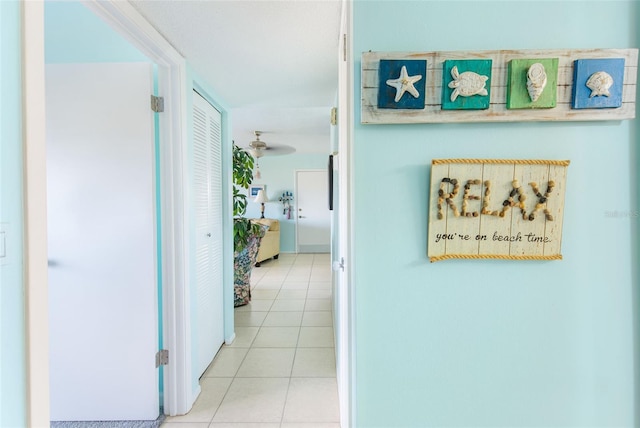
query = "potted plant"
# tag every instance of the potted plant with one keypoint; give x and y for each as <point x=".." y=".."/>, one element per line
<point x="246" y="235"/>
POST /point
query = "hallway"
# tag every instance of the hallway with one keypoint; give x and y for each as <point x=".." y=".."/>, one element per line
<point x="280" y="370"/>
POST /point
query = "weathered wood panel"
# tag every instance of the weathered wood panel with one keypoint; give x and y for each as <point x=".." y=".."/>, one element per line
<point x="498" y="179"/>
<point x="497" y="111"/>
<point x="494" y="208"/>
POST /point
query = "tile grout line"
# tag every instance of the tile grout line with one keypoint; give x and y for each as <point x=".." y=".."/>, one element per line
<point x="295" y="353"/>
<point x="286" y="395"/>
<point x="315" y="262"/>
<point x="222" y="399"/>
<point x="235" y="375"/>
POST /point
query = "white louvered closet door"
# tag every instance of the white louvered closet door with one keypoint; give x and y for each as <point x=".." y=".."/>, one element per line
<point x="207" y="166"/>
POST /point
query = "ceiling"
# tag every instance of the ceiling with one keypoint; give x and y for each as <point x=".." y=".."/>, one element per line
<point x="274" y="63"/>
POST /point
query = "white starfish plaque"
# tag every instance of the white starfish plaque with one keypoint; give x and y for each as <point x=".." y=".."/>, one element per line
<point x="404" y="83"/>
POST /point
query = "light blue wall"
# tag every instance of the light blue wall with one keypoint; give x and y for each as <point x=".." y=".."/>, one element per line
<point x="635" y="178"/>
<point x="494" y="343"/>
<point x="75" y="34"/>
<point x="12" y="316"/>
<point x="278" y="174"/>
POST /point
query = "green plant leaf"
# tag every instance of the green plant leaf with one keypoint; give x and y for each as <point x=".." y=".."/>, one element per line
<point x="243" y="229"/>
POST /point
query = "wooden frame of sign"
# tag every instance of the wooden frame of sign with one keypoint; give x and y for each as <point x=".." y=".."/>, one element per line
<point x="496" y="209"/>
<point x="434" y="108"/>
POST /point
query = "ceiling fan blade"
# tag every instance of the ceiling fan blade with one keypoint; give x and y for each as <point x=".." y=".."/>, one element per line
<point x="279" y="150"/>
<point x="258" y="148"/>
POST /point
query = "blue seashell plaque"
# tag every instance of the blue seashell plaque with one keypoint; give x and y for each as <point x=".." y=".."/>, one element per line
<point x="597" y="83"/>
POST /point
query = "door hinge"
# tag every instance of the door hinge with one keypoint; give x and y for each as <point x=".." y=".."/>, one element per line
<point x="344" y="47"/>
<point x="162" y="358"/>
<point x="334" y="116"/>
<point x="157" y="104"/>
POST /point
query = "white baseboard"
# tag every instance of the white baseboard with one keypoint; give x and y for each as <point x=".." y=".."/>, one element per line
<point x="230" y="340"/>
<point x="317" y="248"/>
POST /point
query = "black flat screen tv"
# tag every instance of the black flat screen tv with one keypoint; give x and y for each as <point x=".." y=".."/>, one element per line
<point x="330" y="175"/>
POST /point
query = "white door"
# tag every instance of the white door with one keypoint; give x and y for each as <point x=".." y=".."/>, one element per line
<point x="207" y="193"/>
<point x="103" y="303"/>
<point x="313" y="218"/>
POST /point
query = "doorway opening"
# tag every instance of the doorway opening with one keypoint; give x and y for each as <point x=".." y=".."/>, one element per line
<point x="104" y="319"/>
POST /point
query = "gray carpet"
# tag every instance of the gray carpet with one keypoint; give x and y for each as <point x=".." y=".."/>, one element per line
<point x="110" y="424"/>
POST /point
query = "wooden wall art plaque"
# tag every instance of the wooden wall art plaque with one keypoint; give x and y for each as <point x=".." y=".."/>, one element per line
<point x="499" y="86"/>
<point x="496" y="209"/>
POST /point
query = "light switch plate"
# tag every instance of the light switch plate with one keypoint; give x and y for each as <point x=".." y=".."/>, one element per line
<point x="3" y="245"/>
<point x="4" y="231"/>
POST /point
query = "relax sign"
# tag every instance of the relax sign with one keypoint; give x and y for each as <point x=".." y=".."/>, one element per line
<point x="503" y="209"/>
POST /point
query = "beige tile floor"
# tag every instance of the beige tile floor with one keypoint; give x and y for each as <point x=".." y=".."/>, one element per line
<point x="280" y="371"/>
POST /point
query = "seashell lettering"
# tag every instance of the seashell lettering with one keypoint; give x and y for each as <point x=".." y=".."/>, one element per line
<point x="536" y="81"/>
<point x="599" y="83"/>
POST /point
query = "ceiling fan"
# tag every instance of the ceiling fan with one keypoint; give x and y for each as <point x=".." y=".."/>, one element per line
<point x="259" y="148"/>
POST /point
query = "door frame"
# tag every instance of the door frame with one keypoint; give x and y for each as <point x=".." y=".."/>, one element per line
<point x="124" y="19"/>
<point x="35" y="216"/>
<point x="345" y="258"/>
